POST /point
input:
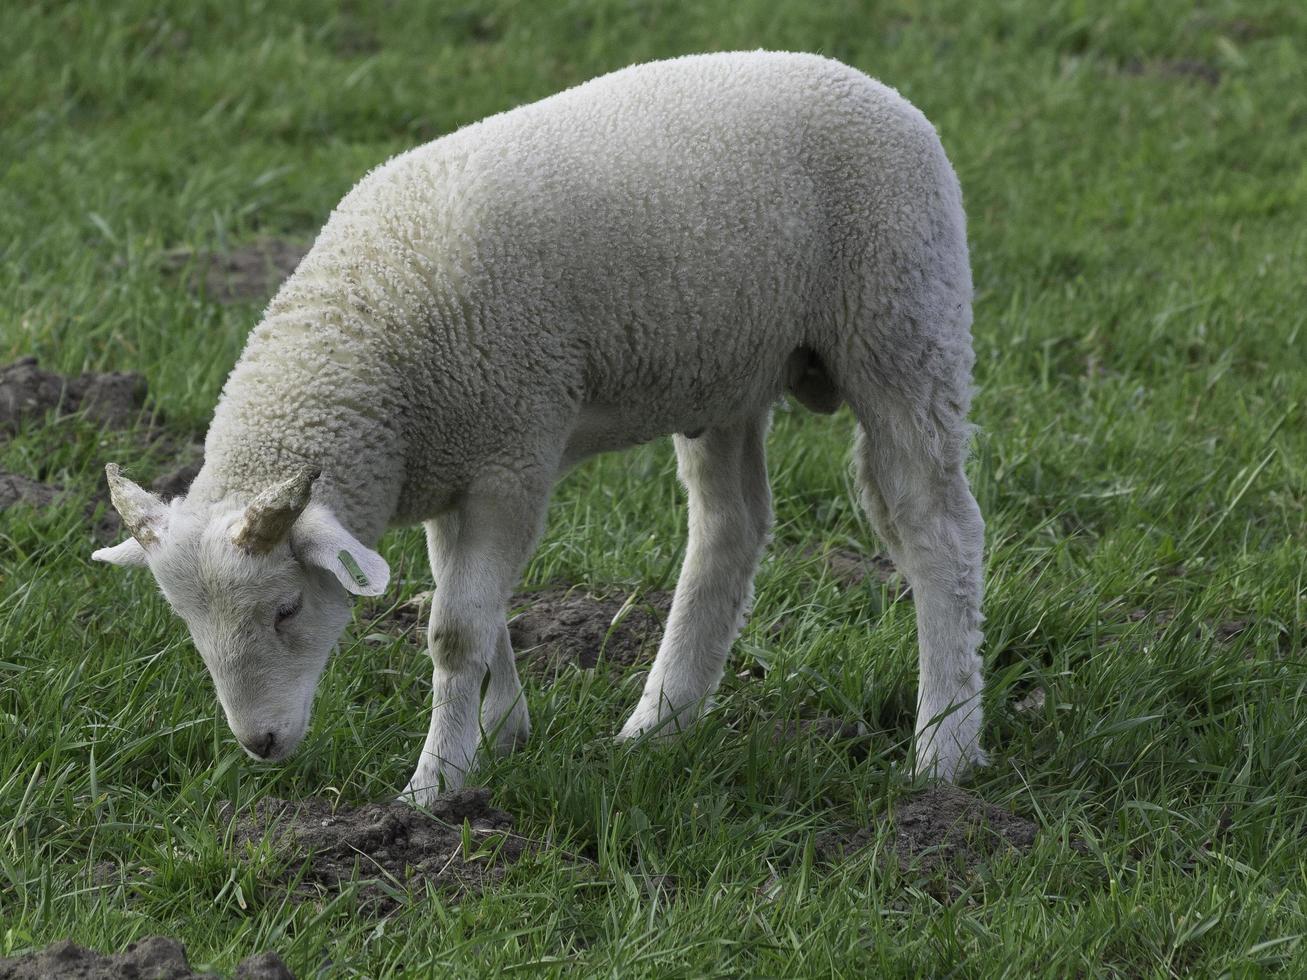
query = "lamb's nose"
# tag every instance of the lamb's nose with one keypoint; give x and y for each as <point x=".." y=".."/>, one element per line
<point x="262" y="747"/>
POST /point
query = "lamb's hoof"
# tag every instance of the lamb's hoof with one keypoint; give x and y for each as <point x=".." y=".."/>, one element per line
<point x="642" y="726"/>
<point x="951" y="767"/>
<point x="423" y="788"/>
<point x="416" y="797"/>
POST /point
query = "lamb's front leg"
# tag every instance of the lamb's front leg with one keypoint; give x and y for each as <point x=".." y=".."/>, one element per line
<point x="461" y="639"/>
<point x="476" y="555"/>
<point x="504" y="715"/>
<point x="725" y="474"/>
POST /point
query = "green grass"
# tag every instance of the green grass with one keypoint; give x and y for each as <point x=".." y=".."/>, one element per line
<point x="1139" y="247"/>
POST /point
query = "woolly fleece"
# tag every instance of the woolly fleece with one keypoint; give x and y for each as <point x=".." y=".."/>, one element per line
<point x="635" y="256"/>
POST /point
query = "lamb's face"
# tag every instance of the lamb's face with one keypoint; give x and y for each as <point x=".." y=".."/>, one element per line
<point x="265" y="589"/>
<point x="264" y="625"/>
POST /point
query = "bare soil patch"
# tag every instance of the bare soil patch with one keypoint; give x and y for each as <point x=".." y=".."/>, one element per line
<point x="249" y="273"/>
<point x="155" y="958"/>
<point x="16" y="489"/>
<point x="562" y="625"/>
<point x="388" y="848"/>
<point x="114" y="400"/>
<point x="943" y="831"/>
<point x="852" y="569"/>
<point x="29" y="392"/>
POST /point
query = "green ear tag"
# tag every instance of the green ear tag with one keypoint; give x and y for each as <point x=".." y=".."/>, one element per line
<point x="352" y="567"/>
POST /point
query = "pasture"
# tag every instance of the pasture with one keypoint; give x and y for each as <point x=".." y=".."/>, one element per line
<point x="1136" y="192"/>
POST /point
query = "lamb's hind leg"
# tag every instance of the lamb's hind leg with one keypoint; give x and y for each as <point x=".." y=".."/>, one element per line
<point x="915" y="493"/>
<point x="725" y="473"/>
<point x="477" y="556"/>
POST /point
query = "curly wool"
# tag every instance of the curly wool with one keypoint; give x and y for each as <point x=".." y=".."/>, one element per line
<point x="640" y="255"/>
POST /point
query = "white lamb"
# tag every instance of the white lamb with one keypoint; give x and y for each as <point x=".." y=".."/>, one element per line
<point x="666" y="249"/>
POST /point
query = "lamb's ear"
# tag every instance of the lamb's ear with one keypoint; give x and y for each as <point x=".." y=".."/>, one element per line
<point x="129" y="552"/>
<point x="320" y="540"/>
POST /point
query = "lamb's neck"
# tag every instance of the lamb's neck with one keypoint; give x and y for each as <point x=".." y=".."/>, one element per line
<point x="319" y="402"/>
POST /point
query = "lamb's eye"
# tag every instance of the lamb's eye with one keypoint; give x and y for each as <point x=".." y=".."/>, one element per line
<point x="288" y="610"/>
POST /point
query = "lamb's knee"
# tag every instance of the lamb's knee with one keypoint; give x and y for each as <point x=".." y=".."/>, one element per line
<point x="458" y="643"/>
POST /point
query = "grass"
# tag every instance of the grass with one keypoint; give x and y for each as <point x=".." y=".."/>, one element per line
<point x="1136" y="190"/>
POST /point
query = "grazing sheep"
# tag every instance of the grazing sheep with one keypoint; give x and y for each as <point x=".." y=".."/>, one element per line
<point x="666" y="249"/>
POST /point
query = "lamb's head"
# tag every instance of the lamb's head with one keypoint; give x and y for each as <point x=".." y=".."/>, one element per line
<point x="265" y="589"/>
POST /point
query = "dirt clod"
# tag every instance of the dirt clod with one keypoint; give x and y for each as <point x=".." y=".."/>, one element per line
<point x="115" y="400"/>
<point x="251" y="272"/>
<point x="15" y="489"/>
<point x="943" y="829"/>
<point x="263" y="966"/>
<point x="155" y="958"/>
<point x="27" y="392"/>
<point x="394" y="846"/>
<point x="561" y="625"/>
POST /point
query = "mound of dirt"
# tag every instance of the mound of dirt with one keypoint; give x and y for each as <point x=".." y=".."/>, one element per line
<point x="389" y="847"/>
<point x="15" y="489"/>
<point x="252" y="272"/>
<point x="156" y="958"/>
<point x="27" y="392"/>
<point x="115" y="400"/>
<point x="851" y="569"/>
<point x="562" y="625"/>
<point x="943" y="829"/>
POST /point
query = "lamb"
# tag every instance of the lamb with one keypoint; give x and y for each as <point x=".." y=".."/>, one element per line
<point x="667" y="249"/>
